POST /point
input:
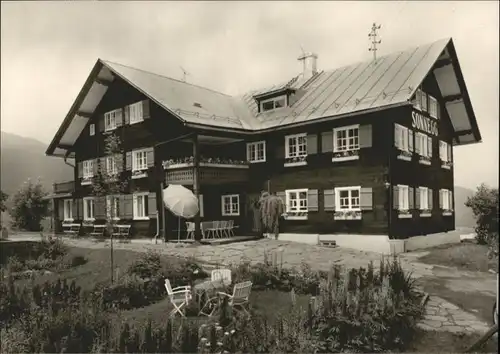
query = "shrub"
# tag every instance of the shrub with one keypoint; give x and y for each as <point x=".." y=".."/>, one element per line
<point x="78" y="260"/>
<point x="29" y="206"/>
<point x="271" y="209"/>
<point x="146" y="266"/>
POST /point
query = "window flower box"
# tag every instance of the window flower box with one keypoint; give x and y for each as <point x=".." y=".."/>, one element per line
<point x="347" y="215"/>
<point x="296" y="161"/>
<point x="207" y="162"/>
<point x="404" y="155"/>
<point x="347" y="155"/>
<point x="139" y="174"/>
<point x="425" y="160"/>
<point x="447" y="212"/>
<point x="295" y="215"/>
<point x="404" y="214"/>
<point x="86" y="181"/>
<point x="425" y="213"/>
<point x="446" y="165"/>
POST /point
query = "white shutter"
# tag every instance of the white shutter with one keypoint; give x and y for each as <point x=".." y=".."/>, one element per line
<point x="441" y="150"/>
<point x="450" y="200"/>
<point x="410" y="140"/>
<point x="397" y="136"/>
<point x="418" y="143"/>
<point x="134" y="210"/>
<point x="200" y="204"/>
<point x="429" y="146"/>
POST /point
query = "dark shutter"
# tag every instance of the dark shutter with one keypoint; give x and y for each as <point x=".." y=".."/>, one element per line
<point x="312" y="200"/>
<point x="75" y="209"/>
<point x="128" y="206"/>
<point x="312" y="144"/>
<point x="448" y="147"/>
<point x="411" y="198"/>
<point x="152" y="205"/>
<point x="128" y="160"/>
<point x="150" y="157"/>
<point x="327" y="141"/>
<point x="430" y="198"/>
<point x="329" y="199"/>
<point x="366" y="199"/>
<point x="145" y="109"/>
<point x="79" y="169"/>
<point x="100" y="122"/>
<point x="119" y="117"/>
<point x="100" y="208"/>
<point x="365" y="136"/>
<point x="395" y="197"/>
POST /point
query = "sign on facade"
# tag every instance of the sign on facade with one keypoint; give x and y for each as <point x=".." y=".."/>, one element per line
<point x="420" y="122"/>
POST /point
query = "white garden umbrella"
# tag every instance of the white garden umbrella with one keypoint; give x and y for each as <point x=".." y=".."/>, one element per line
<point x="181" y="202"/>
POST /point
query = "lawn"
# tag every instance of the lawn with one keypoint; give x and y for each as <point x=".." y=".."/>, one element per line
<point x="464" y="256"/>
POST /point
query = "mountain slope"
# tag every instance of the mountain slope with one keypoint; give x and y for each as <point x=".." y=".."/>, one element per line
<point x="463" y="215"/>
<point x="23" y="158"/>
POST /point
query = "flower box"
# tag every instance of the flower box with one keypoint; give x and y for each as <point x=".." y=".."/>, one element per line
<point x="347" y="215"/>
<point x="86" y="181"/>
<point x="447" y="212"/>
<point x="426" y="213"/>
<point x="206" y="162"/>
<point x="296" y="161"/>
<point x="404" y="155"/>
<point x="139" y="174"/>
<point x="348" y="155"/>
<point x="446" y="165"/>
<point x="295" y="215"/>
<point x="424" y="160"/>
<point x="404" y="214"/>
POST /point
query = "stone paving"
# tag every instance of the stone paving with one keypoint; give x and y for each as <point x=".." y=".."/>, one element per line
<point x="440" y="314"/>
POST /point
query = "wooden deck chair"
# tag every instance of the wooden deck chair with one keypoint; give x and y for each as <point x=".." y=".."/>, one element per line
<point x="230" y="228"/>
<point x="179" y="298"/>
<point x="208" y="229"/>
<point x="223" y="275"/>
<point x="239" y="299"/>
<point x="190" y="230"/>
<point x="223" y="227"/>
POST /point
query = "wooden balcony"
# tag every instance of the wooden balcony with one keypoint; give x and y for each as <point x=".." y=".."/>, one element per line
<point x="64" y="187"/>
<point x="210" y="173"/>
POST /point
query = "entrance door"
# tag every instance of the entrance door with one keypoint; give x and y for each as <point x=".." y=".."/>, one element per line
<point x="253" y="212"/>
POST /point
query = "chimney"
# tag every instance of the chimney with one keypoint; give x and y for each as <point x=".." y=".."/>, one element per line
<point x="309" y="64"/>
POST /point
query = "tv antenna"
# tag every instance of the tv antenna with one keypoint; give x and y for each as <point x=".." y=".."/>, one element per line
<point x="373" y="38"/>
<point x="184" y="74"/>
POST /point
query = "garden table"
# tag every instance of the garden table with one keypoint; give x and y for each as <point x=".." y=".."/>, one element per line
<point x="206" y="293"/>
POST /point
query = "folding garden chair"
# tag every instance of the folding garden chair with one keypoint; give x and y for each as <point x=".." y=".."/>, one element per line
<point x="223" y="228"/>
<point x="179" y="297"/>
<point x="239" y="298"/>
<point x="190" y="230"/>
<point x="230" y="228"/>
<point x="223" y="275"/>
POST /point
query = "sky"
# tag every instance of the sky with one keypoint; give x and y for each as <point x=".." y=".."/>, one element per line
<point x="49" y="48"/>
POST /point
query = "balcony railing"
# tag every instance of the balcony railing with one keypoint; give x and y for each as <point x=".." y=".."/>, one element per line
<point x="204" y="162"/>
<point x="64" y="187"/>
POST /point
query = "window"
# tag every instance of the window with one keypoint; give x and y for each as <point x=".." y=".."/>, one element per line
<point x="425" y="144"/>
<point x="88" y="169"/>
<point x="417" y="103"/>
<point x="424" y="101"/>
<point x="273" y="103"/>
<point x="110" y="119"/>
<point x="111" y="167"/>
<point x="446" y="199"/>
<point x="140" y="206"/>
<point x="92" y="129"/>
<point x="230" y="205"/>
<point x="402" y="137"/>
<point x="256" y="152"/>
<point x="347" y="198"/>
<point x="296" y="200"/>
<point x="68" y="210"/>
<point x="403" y="197"/>
<point x="296" y="145"/>
<point x="424" y="198"/>
<point x="113" y="207"/>
<point x="88" y="209"/>
<point x="444" y="151"/>
<point x="139" y="160"/>
<point x="433" y="107"/>
<point x="346" y="138"/>
<point x="135" y="113"/>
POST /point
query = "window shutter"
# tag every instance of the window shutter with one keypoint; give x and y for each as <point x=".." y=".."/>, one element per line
<point x="418" y="143"/>
<point x="95" y="166"/>
<point x="411" y="198"/>
<point x="448" y="147"/>
<point x="145" y="109"/>
<point x="441" y="198"/>
<point x="119" y="117"/>
<point x="429" y="146"/>
<point x="327" y="141"/>
<point x="397" y="136"/>
<point x="152" y="205"/>
<point x="312" y="144"/>
<point x="150" y="156"/>
<point x="410" y="140"/>
<point x="200" y="205"/>
<point x="366" y="199"/>
<point x="365" y="136"/>
<point x="75" y="209"/>
<point x="450" y="195"/>
<point x="99" y="212"/>
<point x="100" y="123"/>
<point x="395" y="197"/>
<point x="102" y="165"/>
<point x="126" y="115"/>
<point x="329" y="199"/>
<point x="417" y="198"/>
<point x="79" y="169"/>
<point x="312" y="200"/>
<point x="128" y="160"/>
<point x="127" y="206"/>
<point x="61" y="209"/>
<point x="429" y="198"/>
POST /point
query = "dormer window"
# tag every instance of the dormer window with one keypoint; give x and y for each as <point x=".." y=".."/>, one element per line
<point x="273" y="103"/>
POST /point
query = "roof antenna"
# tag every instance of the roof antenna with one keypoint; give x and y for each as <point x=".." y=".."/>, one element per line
<point x="184" y="74"/>
<point x="373" y="38"/>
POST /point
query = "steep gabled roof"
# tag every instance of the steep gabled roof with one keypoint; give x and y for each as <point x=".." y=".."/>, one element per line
<point x="355" y="89"/>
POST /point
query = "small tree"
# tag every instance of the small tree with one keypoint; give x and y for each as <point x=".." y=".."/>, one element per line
<point x="29" y="207"/>
<point x="271" y="210"/>
<point x="107" y="185"/>
<point x="3" y="199"/>
<point x="484" y="205"/>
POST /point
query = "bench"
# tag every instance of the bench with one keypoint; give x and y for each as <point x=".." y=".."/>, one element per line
<point x="98" y="231"/>
<point x="121" y="231"/>
<point x="71" y="229"/>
